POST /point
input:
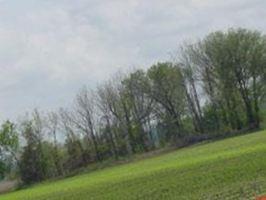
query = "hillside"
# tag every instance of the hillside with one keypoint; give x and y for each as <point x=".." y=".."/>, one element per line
<point x="230" y="169"/>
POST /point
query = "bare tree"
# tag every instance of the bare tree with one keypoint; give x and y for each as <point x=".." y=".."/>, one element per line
<point x="84" y="117"/>
<point x="190" y="80"/>
<point x="53" y="127"/>
<point x="76" y="153"/>
<point x="119" y="109"/>
<point x="106" y="115"/>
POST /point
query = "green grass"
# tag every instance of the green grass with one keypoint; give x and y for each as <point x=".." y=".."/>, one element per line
<point x="233" y="168"/>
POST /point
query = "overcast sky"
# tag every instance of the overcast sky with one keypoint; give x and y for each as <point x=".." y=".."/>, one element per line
<point x="50" y="48"/>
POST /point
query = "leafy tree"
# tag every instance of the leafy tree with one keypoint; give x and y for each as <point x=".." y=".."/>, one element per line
<point x="231" y="66"/>
<point x="168" y="91"/>
<point x="216" y="86"/>
<point x="31" y="163"/>
<point x="37" y="161"/>
<point x="8" y="146"/>
<point x="136" y="92"/>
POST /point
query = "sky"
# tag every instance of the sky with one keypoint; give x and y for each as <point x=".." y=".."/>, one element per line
<point x="49" y="49"/>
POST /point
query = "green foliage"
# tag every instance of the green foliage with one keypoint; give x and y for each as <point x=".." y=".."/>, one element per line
<point x="216" y="87"/>
<point x="37" y="160"/>
<point x="229" y="169"/>
<point x="2" y="169"/>
<point x="31" y="163"/>
<point x="232" y="66"/>
<point x="76" y="155"/>
<point x="8" y="146"/>
<point x="167" y="89"/>
<point x="8" y="136"/>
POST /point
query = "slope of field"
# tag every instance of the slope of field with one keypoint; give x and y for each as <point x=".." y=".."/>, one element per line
<point x="234" y="168"/>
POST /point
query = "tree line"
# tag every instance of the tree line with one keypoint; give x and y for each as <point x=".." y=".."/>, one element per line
<point x="215" y="87"/>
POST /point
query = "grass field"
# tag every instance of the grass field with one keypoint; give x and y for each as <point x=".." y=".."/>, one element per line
<point x="234" y="168"/>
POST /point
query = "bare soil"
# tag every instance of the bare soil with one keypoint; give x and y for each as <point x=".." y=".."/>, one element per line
<point x="6" y="186"/>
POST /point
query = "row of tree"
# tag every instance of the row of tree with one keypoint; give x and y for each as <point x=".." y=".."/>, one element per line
<point x="216" y="86"/>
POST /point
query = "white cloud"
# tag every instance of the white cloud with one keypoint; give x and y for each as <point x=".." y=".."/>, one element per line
<point x="49" y="49"/>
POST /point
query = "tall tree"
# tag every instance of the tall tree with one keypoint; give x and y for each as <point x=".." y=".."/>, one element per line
<point x="168" y="91"/>
<point x="233" y="62"/>
<point x="8" y="145"/>
<point x="84" y="117"/>
<point x="53" y="129"/>
<point x="137" y="87"/>
<point x="105" y="107"/>
<point x="31" y="166"/>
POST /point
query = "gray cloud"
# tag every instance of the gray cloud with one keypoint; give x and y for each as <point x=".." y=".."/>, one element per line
<point x="49" y="49"/>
